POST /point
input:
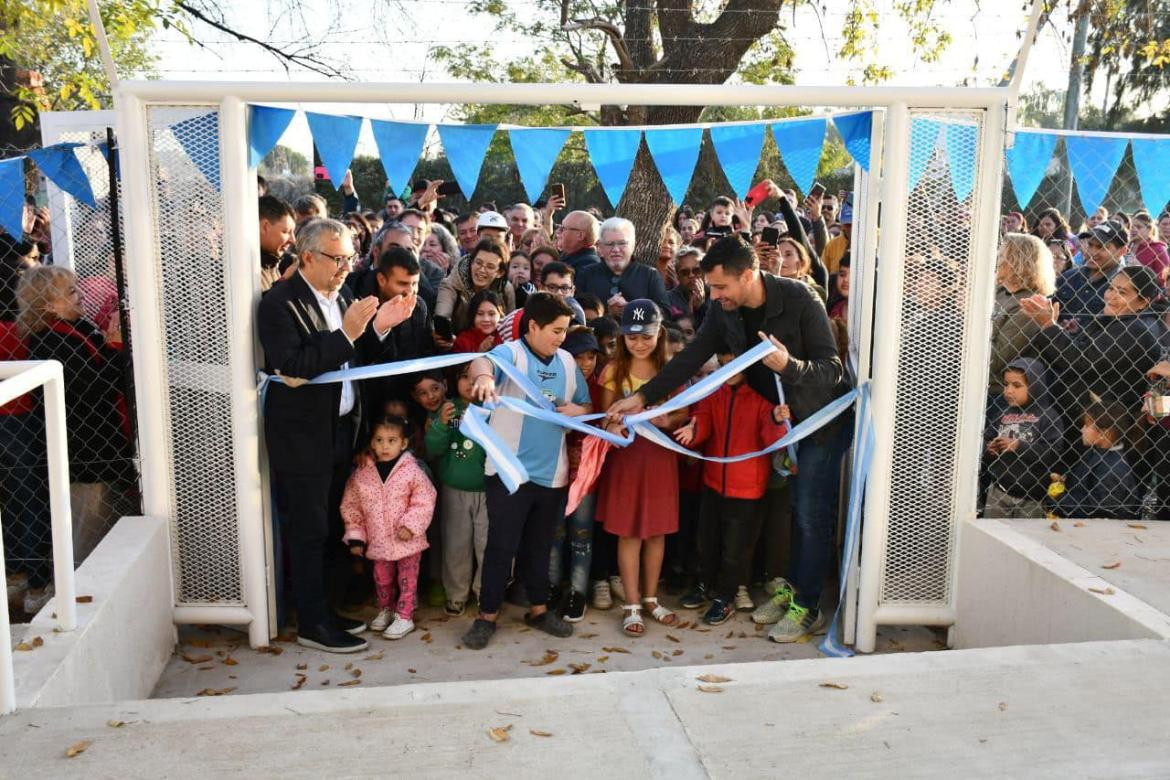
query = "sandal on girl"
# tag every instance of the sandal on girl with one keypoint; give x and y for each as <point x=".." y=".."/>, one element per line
<point x="659" y="612"/>
<point x="632" y="620"/>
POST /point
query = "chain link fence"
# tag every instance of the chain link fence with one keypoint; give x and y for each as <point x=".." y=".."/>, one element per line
<point x="62" y="297"/>
<point x="1085" y="435"/>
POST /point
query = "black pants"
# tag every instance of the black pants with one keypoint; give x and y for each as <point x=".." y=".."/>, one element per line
<point x="310" y="511"/>
<point x="604" y="564"/>
<point x="728" y="528"/>
<point x="520" y="526"/>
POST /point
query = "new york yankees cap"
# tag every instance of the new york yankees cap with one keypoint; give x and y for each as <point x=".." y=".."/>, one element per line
<point x="641" y="316"/>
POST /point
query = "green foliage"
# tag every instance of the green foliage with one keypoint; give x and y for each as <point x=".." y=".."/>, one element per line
<point x="55" y="38"/>
<point x="283" y="161"/>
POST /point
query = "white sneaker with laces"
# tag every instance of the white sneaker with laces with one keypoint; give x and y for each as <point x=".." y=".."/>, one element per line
<point x="743" y="600"/>
<point x="773" y="585"/>
<point x="399" y="628"/>
<point x="385" y="618"/>
<point x="619" y="591"/>
<point x="602" y="598"/>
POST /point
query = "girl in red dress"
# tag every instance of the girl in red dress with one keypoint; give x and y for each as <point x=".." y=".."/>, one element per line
<point x="637" y="494"/>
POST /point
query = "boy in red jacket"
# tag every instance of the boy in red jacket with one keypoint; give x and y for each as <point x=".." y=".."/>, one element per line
<point x="734" y="420"/>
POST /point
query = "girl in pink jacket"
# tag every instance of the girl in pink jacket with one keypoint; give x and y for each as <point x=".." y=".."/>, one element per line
<point x="387" y="506"/>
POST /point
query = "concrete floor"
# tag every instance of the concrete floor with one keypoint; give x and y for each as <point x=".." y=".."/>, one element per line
<point x="220" y="659"/>
<point x="1061" y="711"/>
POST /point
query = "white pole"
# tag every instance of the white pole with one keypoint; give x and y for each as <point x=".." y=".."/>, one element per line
<point x="99" y="31"/>
<point x="241" y="267"/>
<point x="887" y="334"/>
<point x="65" y="591"/>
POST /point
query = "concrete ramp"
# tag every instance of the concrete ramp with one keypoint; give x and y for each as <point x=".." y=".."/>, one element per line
<point x="1075" y="710"/>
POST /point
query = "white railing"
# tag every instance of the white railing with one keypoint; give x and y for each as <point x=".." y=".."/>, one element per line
<point x="16" y="379"/>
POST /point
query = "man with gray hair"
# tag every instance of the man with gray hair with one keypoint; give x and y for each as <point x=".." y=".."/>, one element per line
<point x="308" y="325"/>
<point x="617" y="279"/>
<point x="520" y="219"/>
<point x="576" y="238"/>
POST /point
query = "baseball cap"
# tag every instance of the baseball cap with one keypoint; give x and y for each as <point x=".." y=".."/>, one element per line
<point x="491" y="219"/>
<point x="641" y="316"/>
<point x="1109" y="233"/>
<point x="579" y="341"/>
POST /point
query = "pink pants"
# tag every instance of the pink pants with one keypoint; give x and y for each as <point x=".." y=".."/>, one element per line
<point x="398" y="576"/>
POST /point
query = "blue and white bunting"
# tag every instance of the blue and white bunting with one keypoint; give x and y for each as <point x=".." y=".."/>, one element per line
<point x="12" y="196"/>
<point x="336" y="140"/>
<point x="536" y="150"/>
<point x="1151" y="157"/>
<point x="612" y="153"/>
<point x="855" y="131"/>
<point x="1093" y="161"/>
<point x="466" y="146"/>
<point x="400" y="145"/>
<point x="199" y="137"/>
<point x="924" y="135"/>
<point x="266" y="125"/>
<point x="59" y="165"/>
<point x="1027" y="163"/>
<point x="961" y="144"/>
<point x="675" y="152"/>
<point x="800" y="144"/>
<point x="738" y="148"/>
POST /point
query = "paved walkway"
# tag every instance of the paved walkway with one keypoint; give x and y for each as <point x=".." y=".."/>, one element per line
<point x="1080" y="710"/>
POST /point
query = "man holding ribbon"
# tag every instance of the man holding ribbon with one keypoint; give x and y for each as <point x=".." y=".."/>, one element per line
<point x="804" y="371"/>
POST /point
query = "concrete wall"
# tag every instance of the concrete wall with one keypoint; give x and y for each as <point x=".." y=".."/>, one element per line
<point x="1014" y="591"/>
<point x="124" y="636"/>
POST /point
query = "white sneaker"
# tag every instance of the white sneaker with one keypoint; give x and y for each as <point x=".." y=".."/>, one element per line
<point x="602" y="598"/>
<point x="385" y="618"/>
<point x="773" y="585"/>
<point x="398" y="629"/>
<point x="619" y="592"/>
<point x="743" y="601"/>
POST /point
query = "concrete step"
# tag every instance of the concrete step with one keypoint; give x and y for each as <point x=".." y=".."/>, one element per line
<point x="1075" y="710"/>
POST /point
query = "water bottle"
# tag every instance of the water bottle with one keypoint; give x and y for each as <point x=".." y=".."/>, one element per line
<point x="1152" y="502"/>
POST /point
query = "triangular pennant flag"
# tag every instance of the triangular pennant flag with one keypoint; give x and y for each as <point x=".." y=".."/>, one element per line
<point x="1027" y="162"/>
<point x="1093" y="161"/>
<point x="199" y="137"/>
<point x="800" y="145"/>
<point x="738" y="149"/>
<point x="12" y="196"/>
<point x="612" y="153"/>
<point x="1149" y="158"/>
<point x="400" y="144"/>
<point x="59" y="165"/>
<point x="855" y="131"/>
<point x="536" y="151"/>
<point x="265" y="127"/>
<point x="675" y="153"/>
<point x="961" y="153"/>
<point x="466" y="146"/>
<point x="336" y="140"/>
<point x="923" y="141"/>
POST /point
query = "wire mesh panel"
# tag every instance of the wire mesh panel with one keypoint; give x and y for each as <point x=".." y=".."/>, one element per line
<point x="184" y="149"/>
<point x="931" y="362"/>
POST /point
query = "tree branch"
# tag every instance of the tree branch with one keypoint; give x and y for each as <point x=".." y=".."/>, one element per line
<point x="305" y="61"/>
<point x="611" y="31"/>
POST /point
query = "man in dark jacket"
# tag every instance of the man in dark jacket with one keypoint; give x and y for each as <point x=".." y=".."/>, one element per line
<point x="747" y="305"/>
<point x="396" y="273"/>
<point x="308" y="325"/>
<point x="617" y="279"/>
<point x="576" y="238"/>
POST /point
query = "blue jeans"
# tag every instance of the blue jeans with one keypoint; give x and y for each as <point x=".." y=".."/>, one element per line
<point x="24" y="497"/>
<point x="815" y="496"/>
<point x="579" y="528"/>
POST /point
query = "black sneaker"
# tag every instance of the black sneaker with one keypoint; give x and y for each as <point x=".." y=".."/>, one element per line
<point x="549" y="623"/>
<point x="696" y="598"/>
<point x="573" y="610"/>
<point x="331" y="639"/>
<point x="718" y="613"/>
<point x="349" y="625"/>
<point x="480" y="633"/>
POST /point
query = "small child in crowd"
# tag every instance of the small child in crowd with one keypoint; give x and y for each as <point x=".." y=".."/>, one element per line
<point x="733" y="420"/>
<point x="463" y="510"/>
<point x="387" y="507"/>
<point x="1102" y="483"/>
<point x="487" y="309"/>
<point x="606" y="331"/>
<point x="1024" y="438"/>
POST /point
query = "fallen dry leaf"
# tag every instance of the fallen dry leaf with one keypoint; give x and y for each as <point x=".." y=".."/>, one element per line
<point x="1114" y="565"/>
<point x="728" y="647"/>
<point x="324" y="682"/>
<point x="1002" y="706"/>
<point x="673" y="638"/>
<point x="378" y="656"/>
<point x="713" y="678"/>
<point x="300" y="683"/>
<point x="1078" y="524"/>
<point x="579" y="667"/>
<point x="115" y="724"/>
<point x="550" y="656"/>
<point x="356" y="672"/>
<point x="412" y="671"/>
<point x="710" y="689"/>
<point x="656" y="654"/>
<point x="586" y="636"/>
<point x="24" y="647"/>
<point x="215" y="691"/>
<point x="1055" y="526"/>
<point x="835" y="686"/>
<point x="676" y="653"/>
<point x="730" y="635"/>
<point x="348" y="683"/>
<point x="875" y="697"/>
<point x="1103" y="591"/>
<point x="685" y="624"/>
<point x="84" y="599"/>
<point x="349" y="666"/>
<point x="602" y="659"/>
<point x="708" y="656"/>
<point x="270" y="649"/>
<point x="1138" y="525"/>
<point x="426" y="637"/>
<point x="291" y="636"/>
<point x="323" y="668"/>
<point x="302" y="667"/>
<point x="539" y="733"/>
<point x="77" y="748"/>
<point x="555" y="671"/>
<point x="616" y="650"/>
<point x="500" y="733"/>
<point x="229" y="661"/>
<point x="37" y="641"/>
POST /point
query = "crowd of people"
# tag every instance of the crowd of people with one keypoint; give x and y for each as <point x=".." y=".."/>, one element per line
<point x="379" y="470"/>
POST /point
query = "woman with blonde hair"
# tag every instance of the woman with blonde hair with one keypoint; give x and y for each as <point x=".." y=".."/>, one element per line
<point x="1023" y="269"/>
